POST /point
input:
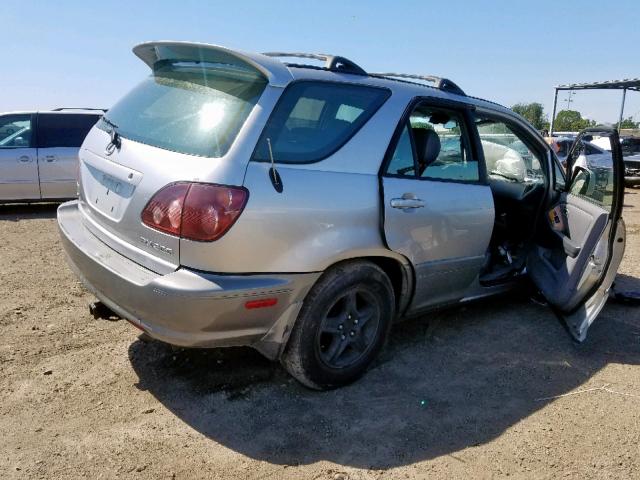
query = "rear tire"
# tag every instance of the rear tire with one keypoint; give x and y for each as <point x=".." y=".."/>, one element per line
<point x="342" y="326"/>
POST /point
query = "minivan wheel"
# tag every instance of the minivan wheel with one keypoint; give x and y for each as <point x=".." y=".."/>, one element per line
<point x="341" y="327"/>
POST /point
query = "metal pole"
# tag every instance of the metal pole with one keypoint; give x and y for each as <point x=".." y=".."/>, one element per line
<point x="553" y="115"/>
<point x="569" y="99"/>
<point x="624" y="94"/>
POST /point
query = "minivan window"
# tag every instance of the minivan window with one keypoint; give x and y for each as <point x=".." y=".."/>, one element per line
<point x="63" y="129"/>
<point x="189" y="108"/>
<point x="312" y="120"/>
<point x="15" y="131"/>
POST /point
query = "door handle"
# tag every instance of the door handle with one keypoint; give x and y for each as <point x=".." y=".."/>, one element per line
<point x="50" y="158"/>
<point x="24" y="159"/>
<point x="407" y="203"/>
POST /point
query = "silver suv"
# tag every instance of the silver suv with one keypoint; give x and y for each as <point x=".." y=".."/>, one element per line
<point x="232" y="199"/>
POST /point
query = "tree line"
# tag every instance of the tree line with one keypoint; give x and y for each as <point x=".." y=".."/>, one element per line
<point x="566" y="120"/>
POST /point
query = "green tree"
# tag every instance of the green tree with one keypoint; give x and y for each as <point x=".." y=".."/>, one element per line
<point x="571" y="121"/>
<point x="533" y="112"/>
<point x="629" y="123"/>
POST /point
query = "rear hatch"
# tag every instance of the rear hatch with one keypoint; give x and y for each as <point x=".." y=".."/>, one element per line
<point x="178" y="125"/>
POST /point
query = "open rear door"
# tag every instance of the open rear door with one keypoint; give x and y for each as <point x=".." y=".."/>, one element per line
<point x="576" y="268"/>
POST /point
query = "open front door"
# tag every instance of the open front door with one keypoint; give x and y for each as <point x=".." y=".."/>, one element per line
<point x="576" y="269"/>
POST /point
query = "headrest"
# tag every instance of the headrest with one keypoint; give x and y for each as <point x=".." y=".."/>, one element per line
<point x="427" y="146"/>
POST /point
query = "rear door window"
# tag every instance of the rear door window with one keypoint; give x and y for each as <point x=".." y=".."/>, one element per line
<point x="313" y="120"/>
<point x="434" y="145"/>
<point x="64" y="129"/>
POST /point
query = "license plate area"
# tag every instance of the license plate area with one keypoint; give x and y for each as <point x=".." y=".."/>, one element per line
<point x="107" y="194"/>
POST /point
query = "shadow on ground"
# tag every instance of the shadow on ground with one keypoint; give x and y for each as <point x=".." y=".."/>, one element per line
<point x="444" y="383"/>
<point x="21" y="211"/>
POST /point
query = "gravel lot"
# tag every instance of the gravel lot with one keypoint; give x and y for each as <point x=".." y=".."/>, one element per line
<point x="462" y="394"/>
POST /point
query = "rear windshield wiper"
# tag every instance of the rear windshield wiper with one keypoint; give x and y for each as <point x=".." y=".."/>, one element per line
<point x="110" y="123"/>
<point x="115" y="142"/>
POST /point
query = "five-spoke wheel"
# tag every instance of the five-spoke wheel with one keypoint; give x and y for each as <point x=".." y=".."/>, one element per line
<point x="342" y="325"/>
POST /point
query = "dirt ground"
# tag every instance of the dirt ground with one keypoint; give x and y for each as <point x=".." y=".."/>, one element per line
<point x="464" y="394"/>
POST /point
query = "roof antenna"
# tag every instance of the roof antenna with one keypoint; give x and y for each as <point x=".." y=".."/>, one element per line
<point x="273" y="173"/>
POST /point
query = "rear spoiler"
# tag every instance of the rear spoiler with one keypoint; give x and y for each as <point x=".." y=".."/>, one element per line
<point x="150" y="53"/>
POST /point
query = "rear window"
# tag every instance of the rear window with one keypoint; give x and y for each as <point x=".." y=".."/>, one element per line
<point x="192" y="108"/>
<point x="312" y="120"/>
<point x="63" y="129"/>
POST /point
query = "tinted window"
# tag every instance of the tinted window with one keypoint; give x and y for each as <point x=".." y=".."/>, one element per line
<point x="314" y="119"/>
<point x="64" y="129"/>
<point x="15" y="131"/>
<point x="189" y="108"/>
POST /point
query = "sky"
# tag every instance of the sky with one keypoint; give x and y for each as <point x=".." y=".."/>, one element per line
<point x="78" y="53"/>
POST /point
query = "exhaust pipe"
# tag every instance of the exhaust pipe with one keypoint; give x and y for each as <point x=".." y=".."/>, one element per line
<point x="99" y="310"/>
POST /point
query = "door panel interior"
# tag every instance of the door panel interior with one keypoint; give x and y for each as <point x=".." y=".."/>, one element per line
<point x="558" y="271"/>
<point x="576" y="270"/>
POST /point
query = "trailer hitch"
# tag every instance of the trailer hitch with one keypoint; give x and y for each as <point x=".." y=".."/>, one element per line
<point x="99" y="310"/>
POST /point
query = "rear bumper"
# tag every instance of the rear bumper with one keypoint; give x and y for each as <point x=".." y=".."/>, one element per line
<point x="185" y="307"/>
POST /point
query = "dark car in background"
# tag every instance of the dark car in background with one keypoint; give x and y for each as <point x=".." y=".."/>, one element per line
<point x="631" y="155"/>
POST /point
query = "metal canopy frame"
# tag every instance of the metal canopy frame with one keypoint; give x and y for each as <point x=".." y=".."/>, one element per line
<point x="632" y="84"/>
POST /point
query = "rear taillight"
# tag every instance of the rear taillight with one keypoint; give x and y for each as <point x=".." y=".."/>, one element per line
<point x="196" y="211"/>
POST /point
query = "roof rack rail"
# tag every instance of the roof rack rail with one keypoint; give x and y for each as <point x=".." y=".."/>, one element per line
<point x="333" y="63"/>
<point x="61" y="109"/>
<point x="438" y="82"/>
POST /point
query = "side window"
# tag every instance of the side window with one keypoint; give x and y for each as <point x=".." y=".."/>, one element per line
<point x="15" y="131"/>
<point x="312" y="120"/>
<point x="507" y="156"/>
<point x="559" y="181"/>
<point x="440" y="147"/>
<point x="402" y="160"/>
<point x="592" y="174"/>
<point x="63" y="130"/>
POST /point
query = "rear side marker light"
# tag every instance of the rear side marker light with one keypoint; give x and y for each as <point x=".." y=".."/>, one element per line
<point x="262" y="303"/>
<point x="195" y="211"/>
